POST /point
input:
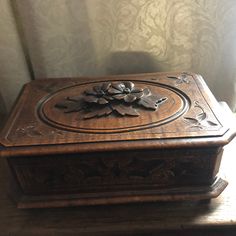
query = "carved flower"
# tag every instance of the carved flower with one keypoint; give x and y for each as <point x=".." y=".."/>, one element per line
<point x="122" y="98"/>
<point x="98" y="94"/>
<point x="106" y="92"/>
<point x="125" y="91"/>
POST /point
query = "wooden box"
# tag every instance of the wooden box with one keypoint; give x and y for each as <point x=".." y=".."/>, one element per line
<point x="119" y="139"/>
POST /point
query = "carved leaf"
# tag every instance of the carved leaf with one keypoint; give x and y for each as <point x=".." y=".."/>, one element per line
<point x="186" y="80"/>
<point x="114" y="91"/>
<point x="70" y="106"/>
<point x="108" y="97"/>
<point x="99" y="112"/>
<point x="90" y="99"/>
<point x="130" y="98"/>
<point x="161" y="100"/>
<point x="102" y="101"/>
<point x="151" y="102"/>
<point x="119" y="86"/>
<point x="197" y="126"/>
<point x="201" y="119"/>
<point x="192" y="120"/>
<point x="119" y="96"/>
<point x="106" y="86"/>
<point x="173" y="77"/>
<point x="125" y="110"/>
<point x="181" y="79"/>
<point x="202" y="116"/>
<point x="138" y="95"/>
<point x="211" y="123"/>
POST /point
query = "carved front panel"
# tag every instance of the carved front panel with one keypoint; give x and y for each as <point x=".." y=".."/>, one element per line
<point x="115" y="171"/>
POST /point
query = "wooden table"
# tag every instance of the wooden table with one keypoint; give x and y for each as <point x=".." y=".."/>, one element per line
<point x="178" y="218"/>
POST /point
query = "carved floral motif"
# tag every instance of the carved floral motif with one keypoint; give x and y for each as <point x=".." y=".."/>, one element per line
<point x="95" y="173"/>
<point x="32" y="130"/>
<point x="99" y="172"/>
<point x="182" y="79"/>
<point x="122" y="98"/>
<point x="201" y="120"/>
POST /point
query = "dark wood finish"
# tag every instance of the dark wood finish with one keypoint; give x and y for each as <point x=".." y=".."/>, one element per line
<point x="217" y="217"/>
<point x="100" y="178"/>
<point x="36" y="121"/>
<point x="106" y="98"/>
<point x="2" y="120"/>
<point x="162" y="139"/>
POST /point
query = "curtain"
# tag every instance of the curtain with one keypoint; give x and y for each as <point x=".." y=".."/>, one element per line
<point x="66" y="38"/>
<point x="13" y="68"/>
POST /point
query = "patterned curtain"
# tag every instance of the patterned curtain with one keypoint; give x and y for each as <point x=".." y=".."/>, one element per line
<point x="64" y="38"/>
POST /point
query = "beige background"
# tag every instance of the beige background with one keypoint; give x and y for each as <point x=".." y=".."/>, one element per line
<point x="101" y="37"/>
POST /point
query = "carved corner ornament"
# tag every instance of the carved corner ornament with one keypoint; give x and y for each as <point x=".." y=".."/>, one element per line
<point x="120" y="98"/>
<point x="201" y="120"/>
<point x="182" y="79"/>
<point x="33" y="130"/>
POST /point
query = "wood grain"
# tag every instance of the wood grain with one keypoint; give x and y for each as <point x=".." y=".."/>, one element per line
<point x="172" y="152"/>
<point x="190" y="111"/>
<point x="185" y="218"/>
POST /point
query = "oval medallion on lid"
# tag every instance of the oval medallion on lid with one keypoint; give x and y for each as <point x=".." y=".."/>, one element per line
<point x="112" y="107"/>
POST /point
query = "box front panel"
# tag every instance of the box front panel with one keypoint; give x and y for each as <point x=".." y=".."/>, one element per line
<point x="115" y="171"/>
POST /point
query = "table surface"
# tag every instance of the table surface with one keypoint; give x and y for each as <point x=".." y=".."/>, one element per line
<point x="204" y="218"/>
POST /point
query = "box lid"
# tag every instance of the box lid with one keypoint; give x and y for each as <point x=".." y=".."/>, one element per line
<point x="115" y="113"/>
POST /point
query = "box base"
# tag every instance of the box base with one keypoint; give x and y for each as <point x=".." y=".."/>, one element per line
<point x="171" y="194"/>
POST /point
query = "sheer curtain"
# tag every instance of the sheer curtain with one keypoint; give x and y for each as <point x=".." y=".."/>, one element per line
<point x="100" y="37"/>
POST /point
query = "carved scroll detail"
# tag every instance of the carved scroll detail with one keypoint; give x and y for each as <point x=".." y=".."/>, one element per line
<point x="121" y="98"/>
<point x="201" y="120"/>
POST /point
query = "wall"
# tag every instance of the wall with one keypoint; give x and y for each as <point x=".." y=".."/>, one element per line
<point x="13" y="67"/>
<point x="100" y="37"/>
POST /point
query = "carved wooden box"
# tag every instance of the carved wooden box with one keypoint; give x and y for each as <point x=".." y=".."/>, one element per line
<point x="120" y="139"/>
